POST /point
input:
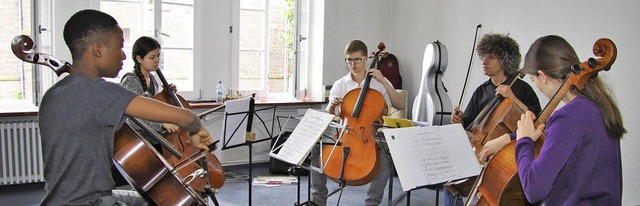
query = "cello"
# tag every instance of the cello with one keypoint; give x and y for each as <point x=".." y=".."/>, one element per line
<point x="179" y="139"/>
<point x="498" y="117"/>
<point x="499" y="183"/>
<point x="356" y="161"/>
<point x="433" y="106"/>
<point x="143" y="167"/>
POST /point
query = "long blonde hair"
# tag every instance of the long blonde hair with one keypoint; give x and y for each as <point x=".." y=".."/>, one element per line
<point x="555" y="56"/>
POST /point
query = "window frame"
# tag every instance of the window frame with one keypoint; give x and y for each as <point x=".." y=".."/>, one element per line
<point x="161" y="36"/>
<point x="300" y="29"/>
<point x="41" y="33"/>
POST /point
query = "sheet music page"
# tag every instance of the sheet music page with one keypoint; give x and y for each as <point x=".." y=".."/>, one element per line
<point x="405" y="160"/>
<point x="304" y="137"/>
<point x="431" y="155"/>
<point x="456" y="142"/>
<point x="233" y="121"/>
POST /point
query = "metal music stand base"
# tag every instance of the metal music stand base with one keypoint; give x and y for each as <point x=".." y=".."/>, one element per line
<point x="294" y="170"/>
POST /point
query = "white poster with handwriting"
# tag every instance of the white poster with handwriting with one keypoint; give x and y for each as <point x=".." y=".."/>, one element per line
<point x="431" y="155"/>
<point x="303" y="137"/>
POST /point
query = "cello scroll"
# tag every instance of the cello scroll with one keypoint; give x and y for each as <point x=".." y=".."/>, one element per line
<point x="604" y="48"/>
<point x="23" y="44"/>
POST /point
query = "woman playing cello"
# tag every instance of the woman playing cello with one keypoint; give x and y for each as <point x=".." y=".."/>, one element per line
<point x="579" y="162"/>
<point x="146" y="58"/>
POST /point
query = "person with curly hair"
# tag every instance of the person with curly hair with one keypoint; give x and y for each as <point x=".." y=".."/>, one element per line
<point x="500" y="60"/>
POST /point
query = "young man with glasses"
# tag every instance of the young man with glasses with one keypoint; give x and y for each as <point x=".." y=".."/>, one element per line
<point x="356" y="59"/>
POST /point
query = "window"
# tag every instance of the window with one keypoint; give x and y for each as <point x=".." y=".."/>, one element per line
<point x="15" y="75"/>
<point x="22" y="82"/>
<point x="267" y="43"/>
<point x="171" y="22"/>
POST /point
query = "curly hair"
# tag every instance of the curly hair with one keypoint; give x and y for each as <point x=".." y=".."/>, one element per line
<point x="502" y="47"/>
<point x="141" y="48"/>
<point x="85" y="28"/>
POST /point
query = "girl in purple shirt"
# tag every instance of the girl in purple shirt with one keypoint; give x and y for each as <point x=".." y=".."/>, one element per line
<point x="579" y="163"/>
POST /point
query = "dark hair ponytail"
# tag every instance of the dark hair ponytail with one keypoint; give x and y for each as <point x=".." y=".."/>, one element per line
<point x="141" y="48"/>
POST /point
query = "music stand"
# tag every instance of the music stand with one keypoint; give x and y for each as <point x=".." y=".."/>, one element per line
<point x="293" y="169"/>
<point x="432" y="147"/>
<point x="400" y="123"/>
<point x="244" y="116"/>
<point x="313" y="125"/>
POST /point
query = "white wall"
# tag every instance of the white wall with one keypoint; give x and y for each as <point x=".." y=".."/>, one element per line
<point x="369" y="21"/>
<point x="216" y="59"/>
<point x="419" y="22"/>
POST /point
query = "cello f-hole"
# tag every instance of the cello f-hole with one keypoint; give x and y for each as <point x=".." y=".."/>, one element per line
<point x="362" y="131"/>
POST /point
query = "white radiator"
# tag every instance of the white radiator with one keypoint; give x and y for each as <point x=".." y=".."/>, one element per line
<point x="20" y="153"/>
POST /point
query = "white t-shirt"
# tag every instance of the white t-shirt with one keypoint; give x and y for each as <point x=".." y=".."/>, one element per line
<point x="345" y="84"/>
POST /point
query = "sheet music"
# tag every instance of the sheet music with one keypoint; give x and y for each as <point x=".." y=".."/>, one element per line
<point x="304" y="137"/>
<point x="233" y="121"/>
<point x="431" y="155"/>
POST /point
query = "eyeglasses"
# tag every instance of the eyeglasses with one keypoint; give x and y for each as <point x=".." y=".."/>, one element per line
<point x="356" y="60"/>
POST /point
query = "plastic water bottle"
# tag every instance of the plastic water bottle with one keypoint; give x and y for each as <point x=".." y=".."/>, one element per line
<point x="219" y="92"/>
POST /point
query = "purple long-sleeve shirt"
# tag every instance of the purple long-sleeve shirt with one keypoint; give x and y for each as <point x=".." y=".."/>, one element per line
<point x="579" y="163"/>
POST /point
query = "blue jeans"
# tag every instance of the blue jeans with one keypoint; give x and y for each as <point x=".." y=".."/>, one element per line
<point x="376" y="187"/>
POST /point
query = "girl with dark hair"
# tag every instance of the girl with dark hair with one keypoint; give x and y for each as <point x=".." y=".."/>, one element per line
<point x="146" y="58"/>
<point x="579" y="163"/>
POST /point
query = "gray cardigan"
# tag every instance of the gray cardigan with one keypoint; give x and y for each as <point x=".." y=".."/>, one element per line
<point x="132" y="82"/>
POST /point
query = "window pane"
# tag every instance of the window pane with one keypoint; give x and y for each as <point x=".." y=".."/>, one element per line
<point x="280" y="46"/>
<point x="16" y="76"/>
<point x="251" y="30"/>
<point x="252" y="4"/>
<point x="274" y="72"/>
<point x="177" y="48"/>
<point x="127" y="14"/>
<point x="250" y="70"/>
<point x="178" y="68"/>
<point x="136" y="20"/>
<point x="177" y="22"/>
